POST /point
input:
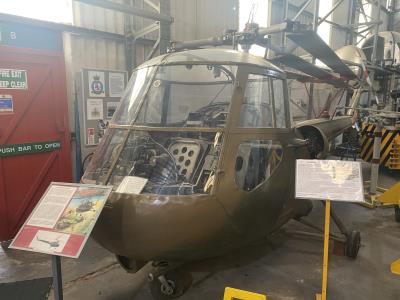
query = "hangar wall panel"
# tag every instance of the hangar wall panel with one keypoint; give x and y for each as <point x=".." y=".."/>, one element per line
<point x="193" y="19"/>
<point x="197" y="19"/>
<point x="98" y="18"/>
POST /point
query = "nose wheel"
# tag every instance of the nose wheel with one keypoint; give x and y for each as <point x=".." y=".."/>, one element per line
<point x="172" y="285"/>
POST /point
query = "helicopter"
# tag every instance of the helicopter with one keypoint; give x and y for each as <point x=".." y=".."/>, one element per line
<point x="52" y="244"/>
<point x="86" y="205"/>
<point x="206" y="140"/>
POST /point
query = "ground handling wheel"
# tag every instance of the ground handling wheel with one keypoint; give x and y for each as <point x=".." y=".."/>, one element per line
<point x="353" y="243"/>
<point x="172" y="285"/>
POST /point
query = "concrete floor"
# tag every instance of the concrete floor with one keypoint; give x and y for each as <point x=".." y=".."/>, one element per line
<point x="283" y="267"/>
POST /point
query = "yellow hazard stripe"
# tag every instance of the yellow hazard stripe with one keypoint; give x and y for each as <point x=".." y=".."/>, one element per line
<point x="368" y="145"/>
<point x="386" y="146"/>
<point x="389" y="155"/>
<point x="367" y="141"/>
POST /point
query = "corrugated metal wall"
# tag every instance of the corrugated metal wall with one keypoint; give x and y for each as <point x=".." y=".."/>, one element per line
<point x="193" y="19"/>
<point x="90" y="52"/>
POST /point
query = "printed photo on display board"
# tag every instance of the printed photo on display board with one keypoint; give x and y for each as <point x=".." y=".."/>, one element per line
<point x="95" y="109"/>
<point x="111" y="108"/>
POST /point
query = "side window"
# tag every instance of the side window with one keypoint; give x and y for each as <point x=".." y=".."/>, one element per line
<point x="263" y="104"/>
<point x="256" y="161"/>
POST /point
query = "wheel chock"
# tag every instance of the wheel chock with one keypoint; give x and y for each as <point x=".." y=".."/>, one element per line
<point x="395" y="267"/>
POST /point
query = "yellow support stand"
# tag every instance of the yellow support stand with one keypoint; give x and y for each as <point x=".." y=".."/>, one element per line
<point x="392" y="196"/>
<point x="231" y="294"/>
<point x="372" y="201"/>
<point x="322" y="296"/>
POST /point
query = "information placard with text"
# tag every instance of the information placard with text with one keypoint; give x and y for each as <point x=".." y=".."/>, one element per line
<point x="334" y="180"/>
<point x="63" y="219"/>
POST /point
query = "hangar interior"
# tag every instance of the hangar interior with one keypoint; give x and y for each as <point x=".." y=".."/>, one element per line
<point x="194" y="114"/>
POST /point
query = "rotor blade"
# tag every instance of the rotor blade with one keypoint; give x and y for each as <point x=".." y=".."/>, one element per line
<point x="313" y="44"/>
<point x="304" y="66"/>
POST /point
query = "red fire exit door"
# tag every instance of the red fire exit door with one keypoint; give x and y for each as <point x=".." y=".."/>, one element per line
<point x="34" y="133"/>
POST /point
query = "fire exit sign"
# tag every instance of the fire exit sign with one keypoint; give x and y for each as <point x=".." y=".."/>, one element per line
<point x="13" y="79"/>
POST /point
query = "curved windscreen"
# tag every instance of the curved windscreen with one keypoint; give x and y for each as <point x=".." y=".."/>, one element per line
<point x="178" y="96"/>
<point x="166" y="136"/>
<point x="167" y="163"/>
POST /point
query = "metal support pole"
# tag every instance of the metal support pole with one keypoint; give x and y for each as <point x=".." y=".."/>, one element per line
<point x="391" y="9"/>
<point x="315" y="28"/>
<point x="285" y="16"/>
<point x="310" y="108"/>
<point x="373" y="57"/>
<point x="128" y="45"/>
<point x="165" y="27"/>
<point x="376" y="158"/>
<point x="57" y="278"/>
<point x="330" y="12"/>
<point x="302" y="8"/>
<point x="351" y="18"/>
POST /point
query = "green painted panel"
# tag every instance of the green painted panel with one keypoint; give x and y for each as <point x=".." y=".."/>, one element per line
<point x="29" y="148"/>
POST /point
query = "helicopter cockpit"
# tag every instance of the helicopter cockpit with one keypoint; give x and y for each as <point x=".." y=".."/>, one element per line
<point x="173" y="118"/>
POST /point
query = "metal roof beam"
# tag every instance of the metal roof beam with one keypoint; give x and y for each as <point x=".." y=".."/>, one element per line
<point x="127" y="9"/>
<point x="93" y="33"/>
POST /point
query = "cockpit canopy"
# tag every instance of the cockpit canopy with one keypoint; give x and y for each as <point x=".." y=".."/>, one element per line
<point x="170" y="128"/>
<point x="196" y="92"/>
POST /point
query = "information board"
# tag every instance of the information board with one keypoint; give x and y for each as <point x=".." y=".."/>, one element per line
<point x="63" y="219"/>
<point x="100" y="93"/>
<point x="334" y="180"/>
